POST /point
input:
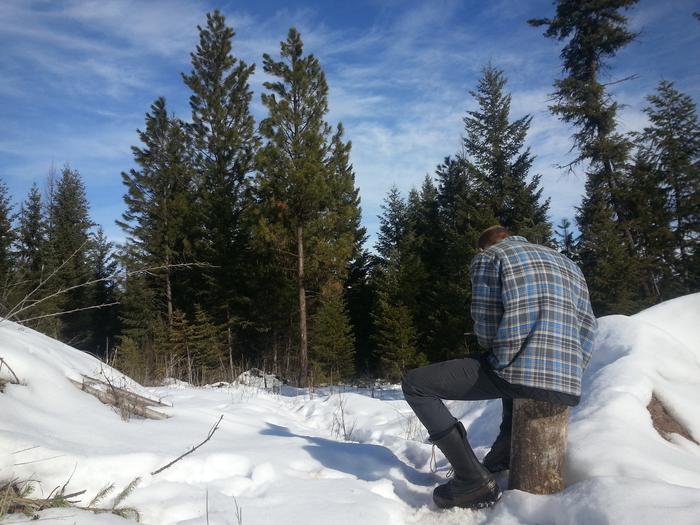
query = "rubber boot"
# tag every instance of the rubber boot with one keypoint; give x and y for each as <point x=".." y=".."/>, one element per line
<point x="498" y="458"/>
<point x="472" y="485"/>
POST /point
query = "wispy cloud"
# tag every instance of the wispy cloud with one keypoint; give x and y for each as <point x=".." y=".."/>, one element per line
<point x="78" y="77"/>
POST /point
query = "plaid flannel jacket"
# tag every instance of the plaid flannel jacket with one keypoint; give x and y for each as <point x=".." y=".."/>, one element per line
<point x="532" y="313"/>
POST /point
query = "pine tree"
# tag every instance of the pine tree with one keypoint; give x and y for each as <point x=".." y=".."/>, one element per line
<point x="670" y="145"/>
<point x="595" y="31"/>
<point x="393" y="224"/>
<point x="105" y="320"/>
<point x="160" y="220"/>
<point x="7" y="238"/>
<point x="495" y="146"/>
<point x="567" y="242"/>
<point x="360" y="295"/>
<point x="177" y="357"/>
<point x="304" y="186"/>
<point x="651" y="224"/>
<point x="464" y="213"/>
<point x="31" y="236"/>
<point x="205" y="344"/>
<point x="68" y="240"/>
<point x="225" y="143"/>
<point x="395" y="336"/>
<point x="333" y="343"/>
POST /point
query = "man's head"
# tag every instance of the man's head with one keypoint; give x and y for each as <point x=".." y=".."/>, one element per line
<point x="492" y="235"/>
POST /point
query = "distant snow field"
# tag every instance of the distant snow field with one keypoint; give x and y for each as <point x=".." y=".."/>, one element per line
<point x="357" y="457"/>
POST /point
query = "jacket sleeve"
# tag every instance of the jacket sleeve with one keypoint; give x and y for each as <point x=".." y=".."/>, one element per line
<point x="487" y="306"/>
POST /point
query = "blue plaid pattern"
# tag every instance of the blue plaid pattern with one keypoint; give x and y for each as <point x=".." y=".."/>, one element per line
<point x="531" y="310"/>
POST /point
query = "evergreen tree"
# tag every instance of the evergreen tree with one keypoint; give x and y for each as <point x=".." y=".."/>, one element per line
<point x="333" y="343"/>
<point x="395" y="336"/>
<point x="594" y="31"/>
<point x="160" y="220"/>
<point x="205" y="342"/>
<point x="177" y="357"/>
<point x="464" y="213"/>
<point x="161" y="226"/>
<point x="495" y="146"/>
<point x="393" y="223"/>
<point x="105" y="320"/>
<point x="360" y="295"/>
<point x="567" y="242"/>
<point x="68" y="249"/>
<point x="31" y="236"/>
<point x="225" y="143"/>
<point x="7" y="238"/>
<point x="670" y="145"/>
<point x="651" y="224"/>
<point x="304" y="183"/>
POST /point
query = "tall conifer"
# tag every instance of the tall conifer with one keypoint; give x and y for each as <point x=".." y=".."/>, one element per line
<point x="69" y="245"/>
<point x="7" y="238"/>
<point x="594" y="31"/>
<point x="495" y="147"/>
<point x="304" y="182"/>
<point x="225" y="143"/>
<point x="670" y="146"/>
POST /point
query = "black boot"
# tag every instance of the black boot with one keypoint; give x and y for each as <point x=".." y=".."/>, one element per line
<point x="472" y="485"/>
<point x="498" y="458"/>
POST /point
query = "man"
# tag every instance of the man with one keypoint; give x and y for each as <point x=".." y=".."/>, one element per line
<point x="533" y="318"/>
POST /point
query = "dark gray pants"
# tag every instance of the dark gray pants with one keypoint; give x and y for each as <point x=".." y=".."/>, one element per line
<point x="465" y="379"/>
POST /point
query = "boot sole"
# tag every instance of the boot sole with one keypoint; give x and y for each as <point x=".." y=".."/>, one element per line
<point x="482" y="502"/>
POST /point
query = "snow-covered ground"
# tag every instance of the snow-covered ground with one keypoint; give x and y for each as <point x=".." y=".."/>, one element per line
<point x="282" y="457"/>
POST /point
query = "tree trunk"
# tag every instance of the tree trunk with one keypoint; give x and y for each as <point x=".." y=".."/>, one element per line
<point x="168" y="292"/>
<point x="538" y="446"/>
<point x="303" y="342"/>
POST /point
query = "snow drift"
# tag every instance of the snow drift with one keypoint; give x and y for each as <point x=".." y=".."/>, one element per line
<point x="354" y="456"/>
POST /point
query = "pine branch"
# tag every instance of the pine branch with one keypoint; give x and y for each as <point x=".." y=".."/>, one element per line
<point x="101" y="494"/>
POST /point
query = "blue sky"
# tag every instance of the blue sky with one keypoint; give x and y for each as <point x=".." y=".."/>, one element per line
<point x="77" y="78"/>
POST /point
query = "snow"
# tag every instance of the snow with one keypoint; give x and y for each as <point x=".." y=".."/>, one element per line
<point x="282" y="455"/>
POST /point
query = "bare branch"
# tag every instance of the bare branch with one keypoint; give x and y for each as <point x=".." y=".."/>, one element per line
<point x="620" y="81"/>
<point x="3" y="362"/>
<point x="105" y="305"/>
<point x="13" y="311"/>
<point x="211" y="433"/>
<point x="16" y="311"/>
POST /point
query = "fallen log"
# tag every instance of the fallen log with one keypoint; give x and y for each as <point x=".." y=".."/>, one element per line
<point x="126" y="402"/>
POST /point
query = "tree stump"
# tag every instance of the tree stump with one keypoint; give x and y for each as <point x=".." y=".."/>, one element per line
<point x="538" y="446"/>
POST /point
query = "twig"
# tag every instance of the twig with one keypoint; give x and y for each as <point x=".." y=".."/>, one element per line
<point x="621" y="80"/>
<point x="39" y="460"/>
<point x="105" y="305"/>
<point x="19" y="306"/>
<point x="24" y="449"/>
<point x="211" y="433"/>
<point x="3" y="362"/>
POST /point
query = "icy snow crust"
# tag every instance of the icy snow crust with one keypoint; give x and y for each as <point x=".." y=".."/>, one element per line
<point x="284" y="460"/>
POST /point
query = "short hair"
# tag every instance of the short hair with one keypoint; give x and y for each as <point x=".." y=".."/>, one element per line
<point x="493" y="235"/>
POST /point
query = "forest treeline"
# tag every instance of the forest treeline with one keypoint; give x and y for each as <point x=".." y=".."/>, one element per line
<point x="245" y="245"/>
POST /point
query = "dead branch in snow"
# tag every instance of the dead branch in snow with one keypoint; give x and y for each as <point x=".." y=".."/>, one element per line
<point x="4" y="363"/>
<point x="127" y="402"/>
<point x="211" y="433"/>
